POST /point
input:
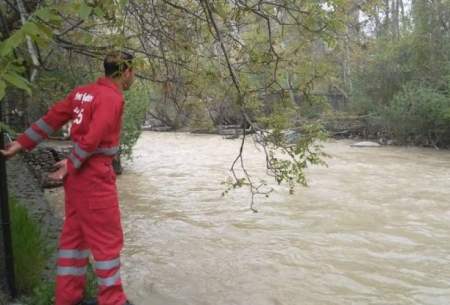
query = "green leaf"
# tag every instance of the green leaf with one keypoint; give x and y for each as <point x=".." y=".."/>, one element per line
<point x="8" y="46"/>
<point x="2" y="89"/>
<point x="18" y="81"/>
<point x="99" y="12"/>
<point x="31" y="29"/>
<point x="43" y="13"/>
<point x="46" y="34"/>
<point x="16" y="66"/>
<point x="85" y="11"/>
<point x="48" y="14"/>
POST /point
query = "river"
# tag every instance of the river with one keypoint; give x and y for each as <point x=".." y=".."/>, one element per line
<point x="372" y="228"/>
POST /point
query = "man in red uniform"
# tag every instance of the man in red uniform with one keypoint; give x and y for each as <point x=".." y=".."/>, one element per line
<point x="92" y="216"/>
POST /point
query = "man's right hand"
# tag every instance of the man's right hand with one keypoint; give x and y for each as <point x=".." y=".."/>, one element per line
<point x="60" y="172"/>
<point x="11" y="149"/>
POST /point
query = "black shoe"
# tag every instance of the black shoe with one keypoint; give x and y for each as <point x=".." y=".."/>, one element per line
<point x="89" y="302"/>
<point x="94" y="302"/>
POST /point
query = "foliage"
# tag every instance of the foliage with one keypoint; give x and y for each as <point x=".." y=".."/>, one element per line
<point x="376" y="80"/>
<point x="136" y="105"/>
<point x="216" y="62"/>
<point x="29" y="248"/>
<point x="419" y="114"/>
<point x="305" y="150"/>
<point x="401" y="76"/>
<point x="44" y="292"/>
<point x="41" y="29"/>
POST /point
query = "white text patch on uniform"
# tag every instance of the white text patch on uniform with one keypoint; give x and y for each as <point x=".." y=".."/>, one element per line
<point x="83" y="97"/>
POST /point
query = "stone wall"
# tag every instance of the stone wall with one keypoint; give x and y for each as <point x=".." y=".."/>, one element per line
<point x="28" y="189"/>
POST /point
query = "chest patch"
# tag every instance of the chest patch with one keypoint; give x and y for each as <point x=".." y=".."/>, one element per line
<point x="83" y="97"/>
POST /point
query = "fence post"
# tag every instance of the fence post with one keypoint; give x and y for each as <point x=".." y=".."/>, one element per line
<point x="5" y="231"/>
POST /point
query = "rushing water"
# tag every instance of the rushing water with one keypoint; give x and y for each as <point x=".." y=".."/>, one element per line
<point x="372" y="228"/>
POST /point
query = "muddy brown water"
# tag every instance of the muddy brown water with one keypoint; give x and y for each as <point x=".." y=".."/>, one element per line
<point x="372" y="228"/>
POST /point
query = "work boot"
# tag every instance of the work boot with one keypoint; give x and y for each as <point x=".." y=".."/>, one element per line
<point x="88" y="302"/>
<point x="94" y="302"/>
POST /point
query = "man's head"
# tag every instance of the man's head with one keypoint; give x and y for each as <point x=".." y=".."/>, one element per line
<point x="118" y="66"/>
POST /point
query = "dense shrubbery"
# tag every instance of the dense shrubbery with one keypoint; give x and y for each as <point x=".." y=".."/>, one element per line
<point x="419" y="115"/>
<point x="401" y="79"/>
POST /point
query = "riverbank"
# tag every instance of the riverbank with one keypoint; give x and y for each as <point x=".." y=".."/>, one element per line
<point x="352" y="131"/>
<point x="337" y="125"/>
<point x="35" y="210"/>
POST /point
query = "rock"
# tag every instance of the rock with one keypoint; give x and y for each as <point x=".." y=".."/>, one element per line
<point x="41" y="161"/>
<point x="365" y="144"/>
<point x="291" y="136"/>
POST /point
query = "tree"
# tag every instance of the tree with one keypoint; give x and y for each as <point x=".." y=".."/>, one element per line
<point x="261" y="59"/>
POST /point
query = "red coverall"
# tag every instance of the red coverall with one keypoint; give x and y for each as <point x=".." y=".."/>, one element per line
<point x="92" y="215"/>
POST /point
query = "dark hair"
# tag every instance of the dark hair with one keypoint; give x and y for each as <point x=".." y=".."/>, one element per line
<point x="116" y="62"/>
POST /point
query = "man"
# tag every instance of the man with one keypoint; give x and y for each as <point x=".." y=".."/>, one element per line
<point x="92" y="216"/>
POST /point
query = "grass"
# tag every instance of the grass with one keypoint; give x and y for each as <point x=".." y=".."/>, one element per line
<point x="31" y="252"/>
<point x="29" y="249"/>
<point x="43" y="294"/>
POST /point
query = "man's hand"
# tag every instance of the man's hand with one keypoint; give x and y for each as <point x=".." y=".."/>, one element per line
<point x="11" y="149"/>
<point x="61" y="171"/>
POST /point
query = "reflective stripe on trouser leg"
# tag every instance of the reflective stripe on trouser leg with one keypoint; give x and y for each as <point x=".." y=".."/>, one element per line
<point x="74" y="271"/>
<point x="110" y="280"/>
<point x="110" y="290"/>
<point x="108" y="272"/>
<point x="104" y="236"/>
<point x="72" y="259"/>
<point x="71" y="275"/>
<point x="72" y="262"/>
<point x="107" y="265"/>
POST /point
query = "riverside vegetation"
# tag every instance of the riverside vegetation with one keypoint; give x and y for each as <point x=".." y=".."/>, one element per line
<point x="266" y="66"/>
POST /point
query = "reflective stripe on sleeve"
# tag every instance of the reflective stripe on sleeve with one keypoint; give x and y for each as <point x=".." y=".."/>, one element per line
<point x="109" y="281"/>
<point x="44" y="126"/>
<point x="107" y="265"/>
<point x="33" y="135"/>
<point x="76" y="271"/>
<point x="75" y="254"/>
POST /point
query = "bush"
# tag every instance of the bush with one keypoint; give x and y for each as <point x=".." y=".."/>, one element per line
<point x="136" y="105"/>
<point x="419" y="115"/>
